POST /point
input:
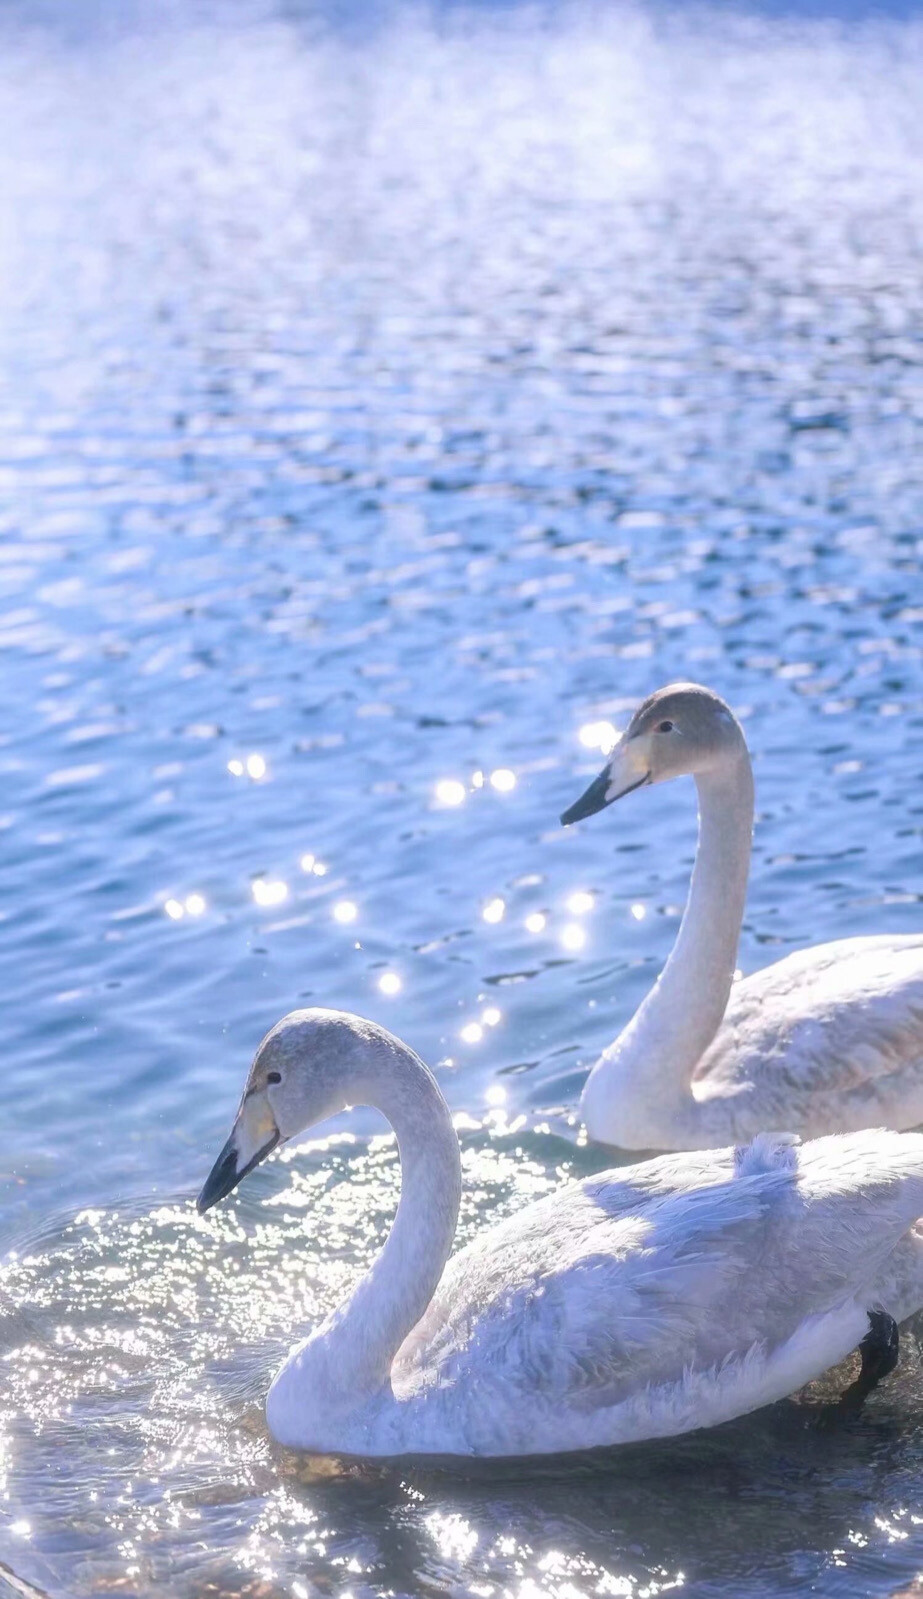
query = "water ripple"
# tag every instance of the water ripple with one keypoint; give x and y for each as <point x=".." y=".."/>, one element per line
<point x="387" y="402"/>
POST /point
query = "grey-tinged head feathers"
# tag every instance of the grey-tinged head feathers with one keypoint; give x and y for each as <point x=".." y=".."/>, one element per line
<point x="683" y="728"/>
<point x="691" y="706"/>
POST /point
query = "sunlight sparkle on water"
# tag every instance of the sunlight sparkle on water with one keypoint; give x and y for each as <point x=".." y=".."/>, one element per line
<point x="449" y="791"/>
<point x="455" y="1537"/>
<point x="345" y="910"/>
<point x="269" y="891"/>
<point x="598" y="736"/>
<point x="254" y="766"/>
<point x="503" y="780"/>
<point x="579" y="903"/>
<point x="362" y="491"/>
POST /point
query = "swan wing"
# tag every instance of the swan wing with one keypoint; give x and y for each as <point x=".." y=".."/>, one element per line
<point x="576" y="1316"/>
<point x="827" y="1032"/>
<point x="631" y="1281"/>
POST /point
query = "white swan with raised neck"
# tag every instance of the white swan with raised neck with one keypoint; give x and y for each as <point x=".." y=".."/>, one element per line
<point x="829" y="1039"/>
<point x="648" y="1301"/>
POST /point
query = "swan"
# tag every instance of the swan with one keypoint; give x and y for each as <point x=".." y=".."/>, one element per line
<point x="648" y="1301"/>
<point x="829" y="1039"/>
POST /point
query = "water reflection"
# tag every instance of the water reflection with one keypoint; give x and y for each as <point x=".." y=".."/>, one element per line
<point x="180" y="1320"/>
<point x="388" y="403"/>
<point x="269" y="891"/>
<point x="254" y="766"/>
<point x="598" y="736"/>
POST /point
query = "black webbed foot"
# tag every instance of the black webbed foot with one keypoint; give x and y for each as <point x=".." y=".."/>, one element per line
<point x="879" y="1350"/>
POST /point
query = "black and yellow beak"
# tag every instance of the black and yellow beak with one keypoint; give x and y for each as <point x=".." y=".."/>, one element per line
<point x="253" y="1137"/>
<point x="228" y="1171"/>
<point x="592" y="800"/>
<point x="603" y="791"/>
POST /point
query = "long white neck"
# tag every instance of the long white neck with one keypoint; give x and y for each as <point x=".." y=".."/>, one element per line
<point x="647" y="1072"/>
<point x="356" y="1346"/>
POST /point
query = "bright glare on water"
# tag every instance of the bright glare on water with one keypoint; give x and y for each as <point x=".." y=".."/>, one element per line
<point x="389" y="398"/>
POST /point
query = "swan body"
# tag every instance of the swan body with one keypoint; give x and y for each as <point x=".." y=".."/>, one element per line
<point x="830" y="1039"/>
<point x="648" y="1301"/>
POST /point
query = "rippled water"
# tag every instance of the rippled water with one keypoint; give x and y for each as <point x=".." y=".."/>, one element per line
<point x="388" y="395"/>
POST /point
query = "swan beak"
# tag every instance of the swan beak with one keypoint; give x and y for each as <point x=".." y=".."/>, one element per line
<point x="593" y="800"/>
<point x="615" y="780"/>
<point x="253" y="1137"/>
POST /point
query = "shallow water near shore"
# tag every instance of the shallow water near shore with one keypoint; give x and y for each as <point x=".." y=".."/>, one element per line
<point x="389" y="398"/>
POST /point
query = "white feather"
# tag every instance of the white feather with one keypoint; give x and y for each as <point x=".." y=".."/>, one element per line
<point x="827" y="1040"/>
<point x="652" y="1300"/>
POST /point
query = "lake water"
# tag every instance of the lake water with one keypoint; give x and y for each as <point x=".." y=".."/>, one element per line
<point x="387" y="395"/>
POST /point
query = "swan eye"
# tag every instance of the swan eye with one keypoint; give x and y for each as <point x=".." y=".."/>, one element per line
<point x="273" y="1077"/>
<point x="664" y="727"/>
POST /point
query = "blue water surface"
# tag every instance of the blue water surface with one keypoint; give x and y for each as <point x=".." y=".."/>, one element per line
<point x="388" y="396"/>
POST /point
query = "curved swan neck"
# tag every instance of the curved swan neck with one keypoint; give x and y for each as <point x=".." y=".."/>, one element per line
<point x="653" y="1059"/>
<point x="364" y="1334"/>
<point x="696" y="981"/>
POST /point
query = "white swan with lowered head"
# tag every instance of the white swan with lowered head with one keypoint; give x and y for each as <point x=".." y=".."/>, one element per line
<point x="829" y="1039"/>
<point x="645" y="1302"/>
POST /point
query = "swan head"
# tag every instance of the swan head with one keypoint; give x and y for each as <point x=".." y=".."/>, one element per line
<point x="311" y="1065"/>
<point x="680" y="729"/>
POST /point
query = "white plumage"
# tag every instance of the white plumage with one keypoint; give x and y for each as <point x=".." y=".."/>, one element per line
<point x="649" y="1301"/>
<point x="829" y="1039"/>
